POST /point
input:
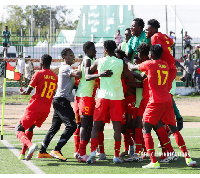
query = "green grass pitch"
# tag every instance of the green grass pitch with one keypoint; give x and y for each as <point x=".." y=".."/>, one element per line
<point x="72" y="166"/>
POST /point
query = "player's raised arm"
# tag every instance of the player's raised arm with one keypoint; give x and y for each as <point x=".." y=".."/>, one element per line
<point x="89" y="76"/>
<point x="76" y="74"/>
<point x="130" y="65"/>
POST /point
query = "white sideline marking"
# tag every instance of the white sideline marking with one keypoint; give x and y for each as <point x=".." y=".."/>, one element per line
<point x="29" y="164"/>
<point x="72" y="139"/>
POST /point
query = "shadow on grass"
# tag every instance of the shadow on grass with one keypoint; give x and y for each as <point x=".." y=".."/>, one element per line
<point x="176" y="164"/>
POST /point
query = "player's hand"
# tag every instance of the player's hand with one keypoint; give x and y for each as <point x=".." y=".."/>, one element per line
<point x="21" y="91"/>
<point x="183" y="79"/>
<point x="106" y="73"/>
<point x="179" y="122"/>
<point x="126" y="60"/>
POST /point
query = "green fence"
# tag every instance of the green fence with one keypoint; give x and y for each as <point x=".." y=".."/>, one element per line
<point x="35" y="46"/>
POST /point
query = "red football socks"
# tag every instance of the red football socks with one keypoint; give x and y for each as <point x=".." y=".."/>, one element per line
<point x="94" y="144"/>
<point x="164" y="151"/>
<point x="82" y="149"/>
<point x="138" y="140"/>
<point x="101" y="142"/>
<point x="181" y="143"/>
<point x="23" y="139"/>
<point x="144" y="148"/>
<point x="117" y="148"/>
<point x="77" y="139"/>
<point x="126" y="136"/>
<point x="130" y="139"/>
<point x="163" y="137"/>
<point x="30" y="136"/>
<point x="150" y="147"/>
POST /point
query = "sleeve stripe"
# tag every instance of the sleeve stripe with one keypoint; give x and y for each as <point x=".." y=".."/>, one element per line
<point x="31" y="86"/>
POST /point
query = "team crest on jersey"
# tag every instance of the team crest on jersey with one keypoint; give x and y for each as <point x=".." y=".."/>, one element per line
<point x="162" y="66"/>
<point x="49" y="77"/>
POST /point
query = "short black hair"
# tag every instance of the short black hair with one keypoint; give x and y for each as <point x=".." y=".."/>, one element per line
<point x="87" y="45"/>
<point x="122" y="53"/>
<point x="64" y="51"/>
<point x="154" y="23"/>
<point x="143" y="49"/>
<point x="110" y="45"/>
<point x="46" y="59"/>
<point x="140" y="22"/>
<point x="157" y="51"/>
<point x="128" y="29"/>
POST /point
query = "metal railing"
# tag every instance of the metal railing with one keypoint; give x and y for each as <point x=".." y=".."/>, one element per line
<point x="36" y="46"/>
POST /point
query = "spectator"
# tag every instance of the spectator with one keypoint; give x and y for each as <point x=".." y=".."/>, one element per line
<point x="80" y="57"/>
<point x="189" y="65"/>
<point x="118" y="38"/>
<point x="20" y="66"/>
<point x="29" y="71"/>
<point x="127" y="36"/>
<point x="1" y="67"/>
<point x="196" y="75"/>
<point x="187" y="39"/>
<point x="197" y="52"/>
<point x="183" y="78"/>
<point x="173" y="37"/>
<point x="6" y="36"/>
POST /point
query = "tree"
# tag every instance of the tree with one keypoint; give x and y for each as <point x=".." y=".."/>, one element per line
<point x="20" y="18"/>
<point x="16" y="19"/>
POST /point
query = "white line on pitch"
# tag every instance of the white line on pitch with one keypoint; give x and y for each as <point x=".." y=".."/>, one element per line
<point x="29" y="164"/>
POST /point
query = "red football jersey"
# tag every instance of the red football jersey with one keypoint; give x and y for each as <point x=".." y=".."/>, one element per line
<point x="166" y="43"/>
<point x="145" y="92"/>
<point x="45" y="84"/>
<point x="97" y="84"/>
<point x="157" y="72"/>
<point x="123" y="85"/>
<point x="198" y="70"/>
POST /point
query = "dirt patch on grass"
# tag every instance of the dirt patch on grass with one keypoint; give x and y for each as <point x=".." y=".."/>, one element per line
<point x="188" y="106"/>
<point x="13" y="112"/>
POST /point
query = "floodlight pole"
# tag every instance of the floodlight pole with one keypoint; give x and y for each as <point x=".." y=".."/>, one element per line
<point x="166" y="20"/>
<point x="31" y="25"/>
<point x="175" y="19"/>
<point x="182" y="42"/>
<point x="50" y="25"/>
<point x="38" y="32"/>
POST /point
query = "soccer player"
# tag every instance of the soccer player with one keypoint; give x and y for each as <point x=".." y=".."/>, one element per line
<point x="143" y="51"/>
<point x="63" y="112"/>
<point x="20" y="66"/>
<point x="78" y="121"/>
<point x="127" y="35"/>
<point x="166" y="43"/>
<point x="109" y="99"/>
<point x="84" y="100"/>
<point x="45" y="83"/>
<point x="6" y="37"/>
<point x="138" y="37"/>
<point x="159" y="107"/>
<point x="129" y="109"/>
